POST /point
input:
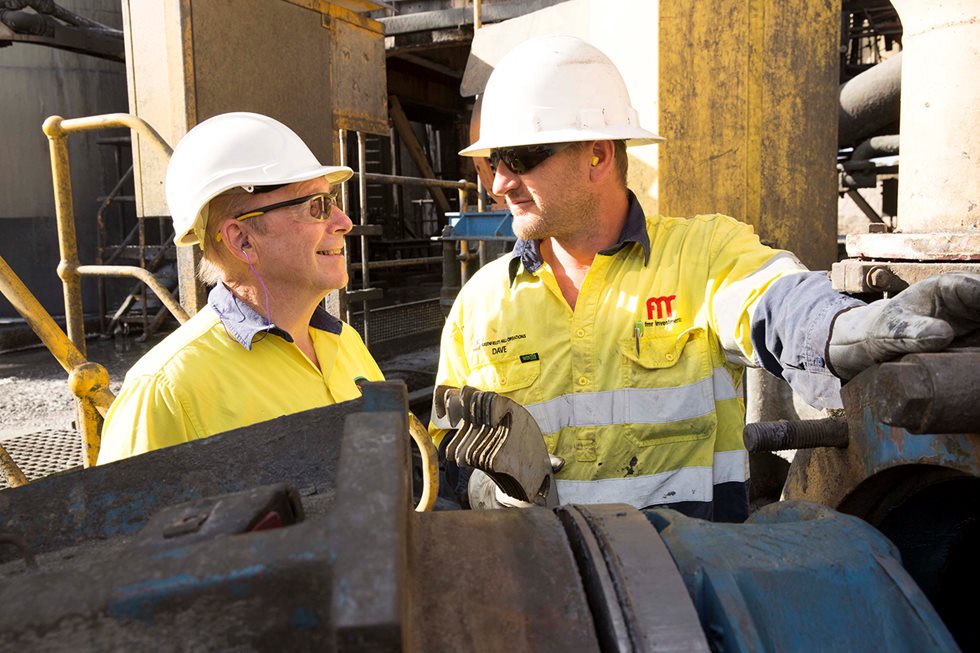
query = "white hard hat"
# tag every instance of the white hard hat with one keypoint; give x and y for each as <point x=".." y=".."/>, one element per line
<point x="556" y="89"/>
<point x="235" y="150"/>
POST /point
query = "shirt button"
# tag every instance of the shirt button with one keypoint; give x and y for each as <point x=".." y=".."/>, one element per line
<point x="582" y="380"/>
<point x="580" y="333"/>
<point x="669" y="357"/>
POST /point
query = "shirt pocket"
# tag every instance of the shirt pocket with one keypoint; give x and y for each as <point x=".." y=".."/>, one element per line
<point x="511" y="377"/>
<point x="670" y="395"/>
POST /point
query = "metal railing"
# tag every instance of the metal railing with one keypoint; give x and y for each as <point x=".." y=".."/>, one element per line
<point x="70" y="269"/>
<point x="363" y="178"/>
<point x="88" y="381"/>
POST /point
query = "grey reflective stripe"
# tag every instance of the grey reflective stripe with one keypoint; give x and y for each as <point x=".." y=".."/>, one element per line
<point x="685" y="484"/>
<point x="729" y="304"/>
<point x="730" y="466"/>
<point x="634" y="405"/>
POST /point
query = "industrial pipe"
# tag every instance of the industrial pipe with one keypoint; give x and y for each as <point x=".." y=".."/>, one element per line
<point x="869" y="102"/>
<point x="940" y="123"/>
<point x="876" y="146"/>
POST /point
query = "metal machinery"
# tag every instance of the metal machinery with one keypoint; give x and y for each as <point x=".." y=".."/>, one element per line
<point x="912" y="463"/>
<point x="299" y="532"/>
<point x="316" y="545"/>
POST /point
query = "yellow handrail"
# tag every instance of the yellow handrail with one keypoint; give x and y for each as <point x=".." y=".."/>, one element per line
<point x="89" y="381"/>
<point x="57" y="130"/>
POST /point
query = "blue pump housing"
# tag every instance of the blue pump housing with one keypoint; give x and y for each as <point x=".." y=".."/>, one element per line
<point x="799" y="576"/>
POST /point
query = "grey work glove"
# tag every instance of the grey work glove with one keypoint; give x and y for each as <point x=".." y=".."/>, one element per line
<point x="484" y="494"/>
<point x="924" y="317"/>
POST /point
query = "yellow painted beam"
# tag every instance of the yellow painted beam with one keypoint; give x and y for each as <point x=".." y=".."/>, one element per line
<point x="748" y="93"/>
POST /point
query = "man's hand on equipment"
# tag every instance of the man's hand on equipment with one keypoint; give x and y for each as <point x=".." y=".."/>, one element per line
<point x="925" y="317"/>
<point x="484" y="494"/>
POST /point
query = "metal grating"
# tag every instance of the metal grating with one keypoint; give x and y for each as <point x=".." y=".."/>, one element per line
<point x="401" y="320"/>
<point x="44" y="453"/>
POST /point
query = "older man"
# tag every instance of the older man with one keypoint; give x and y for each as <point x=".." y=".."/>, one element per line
<point x="251" y="193"/>
<point x="625" y="335"/>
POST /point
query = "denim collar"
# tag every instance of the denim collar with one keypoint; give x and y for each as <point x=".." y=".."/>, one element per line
<point x="243" y="323"/>
<point x="528" y="252"/>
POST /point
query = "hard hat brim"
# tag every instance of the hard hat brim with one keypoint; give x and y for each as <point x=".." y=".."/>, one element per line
<point x="634" y="136"/>
<point x="333" y="174"/>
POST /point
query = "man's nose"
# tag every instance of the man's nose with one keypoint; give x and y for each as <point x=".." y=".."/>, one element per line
<point x="339" y="222"/>
<point x="504" y="180"/>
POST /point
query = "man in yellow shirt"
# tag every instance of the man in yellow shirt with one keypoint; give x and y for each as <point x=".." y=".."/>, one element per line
<point x="263" y="209"/>
<point x="625" y="335"/>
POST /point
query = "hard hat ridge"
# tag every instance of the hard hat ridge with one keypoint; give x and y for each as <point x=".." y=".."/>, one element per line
<point x="232" y="150"/>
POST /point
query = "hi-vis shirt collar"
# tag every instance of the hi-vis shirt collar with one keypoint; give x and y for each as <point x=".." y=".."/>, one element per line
<point x="243" y="322"/>
<point x="528" y="252"/>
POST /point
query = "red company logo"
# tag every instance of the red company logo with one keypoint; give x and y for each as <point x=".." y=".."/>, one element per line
<point x="662" y="305"/>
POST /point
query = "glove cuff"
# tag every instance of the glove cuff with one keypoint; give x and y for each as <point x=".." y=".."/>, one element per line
<point x="847" y="349"/>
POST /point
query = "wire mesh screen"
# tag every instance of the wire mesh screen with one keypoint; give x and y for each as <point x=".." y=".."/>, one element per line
<point x="401" y="320"/>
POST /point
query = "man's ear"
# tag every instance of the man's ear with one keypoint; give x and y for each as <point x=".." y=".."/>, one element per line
<point x="236" y="240"/>
<point x="602" y="158"/>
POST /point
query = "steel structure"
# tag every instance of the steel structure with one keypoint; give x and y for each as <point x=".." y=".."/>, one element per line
<point x="317" y="547"/>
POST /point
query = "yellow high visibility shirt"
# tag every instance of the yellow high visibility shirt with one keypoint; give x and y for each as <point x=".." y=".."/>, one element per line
<point x="213" y="375"/>
<point x="639" y="387"/>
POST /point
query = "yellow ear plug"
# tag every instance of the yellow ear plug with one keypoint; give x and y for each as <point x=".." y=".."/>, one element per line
<point x="595" y="161"/>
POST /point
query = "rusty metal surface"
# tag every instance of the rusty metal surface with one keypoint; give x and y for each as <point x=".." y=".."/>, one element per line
<point x="117" y="499"/>
<point x="783" y="435"/>
<point x="101" y="587"/>
<point x="930" y="393"/>
<point x="921" y="491"/>
<point x="357" y="72"/>
<point x="213" y="595"/>
<point x="829" y="476"/>
<point x="370" y="600"/>
<point x="637" y="595"/>
<point x="857" y="276"/>
<point x="933" y="246"/>
<point x="481" y="583"/>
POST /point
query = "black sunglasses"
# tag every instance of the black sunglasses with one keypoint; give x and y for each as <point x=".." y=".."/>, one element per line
<point x="321" y="204"/>
<point x="524" y="158"/>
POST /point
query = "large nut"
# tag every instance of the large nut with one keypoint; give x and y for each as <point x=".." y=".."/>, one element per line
<point x="904" y="396"/>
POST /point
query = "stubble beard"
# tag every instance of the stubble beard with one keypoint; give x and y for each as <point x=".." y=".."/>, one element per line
<point x="574" y="217"/>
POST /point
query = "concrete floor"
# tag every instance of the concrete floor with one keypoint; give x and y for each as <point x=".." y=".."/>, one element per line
<point x="34" y="394"/>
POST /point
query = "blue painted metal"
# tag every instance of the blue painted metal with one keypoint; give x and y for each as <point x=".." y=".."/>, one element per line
<point x="488" y="225"/>
<point x="800" y="577"/>
<point x="920" y="490"/>
<point x="832" y="476"/>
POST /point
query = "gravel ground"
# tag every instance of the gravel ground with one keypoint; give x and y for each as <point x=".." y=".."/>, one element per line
<point x="34" y="394"/>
